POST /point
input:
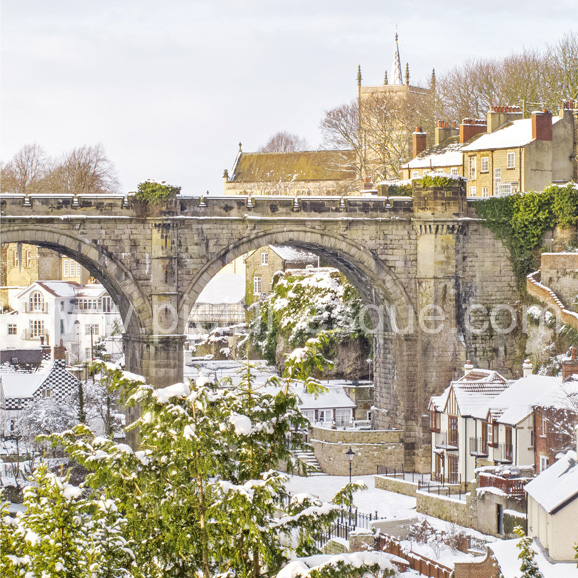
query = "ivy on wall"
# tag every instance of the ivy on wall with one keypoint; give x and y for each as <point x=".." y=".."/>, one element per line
<point x="153" y="193"/>
<point x="521" y="220"/>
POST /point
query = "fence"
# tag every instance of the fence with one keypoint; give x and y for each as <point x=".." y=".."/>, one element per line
<point x="510" y="486"/>
<point x="402" y="474"/>
<point x="417" y="562"/>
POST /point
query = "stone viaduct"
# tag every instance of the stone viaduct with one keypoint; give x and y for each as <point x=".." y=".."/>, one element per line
<point x="428" y="271"/>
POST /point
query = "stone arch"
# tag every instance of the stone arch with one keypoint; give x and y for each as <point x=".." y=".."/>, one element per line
<point x="133" y="305"/>
<point x="376" y="283"/>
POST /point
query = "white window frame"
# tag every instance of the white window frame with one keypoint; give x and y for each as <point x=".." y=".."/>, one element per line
<point x="342" y="416"/>
<point x="65" y="268"/>
<point x="473" y="168"/>
<point x="16" y="258"/>
<point x="78" y="270"/>
<point x="454" y="170"/>
<point x="325" y="415"/>
<point x="257" y="285"/>
<point x="485" y="191"/>
<point x="28" y="259"/>
<point x="485" y="165"/>
<point x="36" y="327"/>
<point x="264" y="259"/>
<point x="472" y="191"/>
<point x="309" y="414"/>
<point x="36" y="301"/>
<point x="95" y="329"/>
<point x="414" y="174"/>
<point x="544" y="463"/>
<point x="511" y="161"/>
<point x="12" y="329"/>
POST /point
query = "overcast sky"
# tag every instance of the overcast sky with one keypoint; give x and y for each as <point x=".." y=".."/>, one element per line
<point x="170" y="87"/>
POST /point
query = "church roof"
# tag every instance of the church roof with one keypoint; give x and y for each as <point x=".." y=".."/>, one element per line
<point x="335" y="165"/>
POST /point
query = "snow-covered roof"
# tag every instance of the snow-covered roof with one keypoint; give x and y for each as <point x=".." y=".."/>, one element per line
<point x="92" y="290"/>
<point x="506" y="554"/>
<point x="556" y="486"/>
<point x="516" y="402"/>
<point x="333" y="397"/>
<point x="517" y="133"/>
<point x="66" y="289"/>
<point x="473" y="397"/>
<point x="223" y="288"/>
<point x="293" y="255"/>
<point x="438" y="156"/>
<point x="22" y="385"/>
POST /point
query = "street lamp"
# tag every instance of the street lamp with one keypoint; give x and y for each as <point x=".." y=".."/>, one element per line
<point x="350" y="453"/>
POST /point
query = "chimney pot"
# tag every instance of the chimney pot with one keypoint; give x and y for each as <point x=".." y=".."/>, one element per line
<point x="527" y="368"/>
<point x="468" y="367"/>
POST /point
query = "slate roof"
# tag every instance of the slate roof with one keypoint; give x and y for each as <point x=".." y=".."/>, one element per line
<point x="556" y="486"/>
<point x="293" y="255"/>
<point x="224" y="288"/>
<point x="295" y="166"/>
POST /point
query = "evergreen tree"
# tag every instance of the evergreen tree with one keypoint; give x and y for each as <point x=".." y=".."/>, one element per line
<point x="529" y="567"/>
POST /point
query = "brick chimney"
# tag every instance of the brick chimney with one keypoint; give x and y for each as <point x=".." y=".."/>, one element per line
<point x="498" y="116"/>
<point x="542" y="125"/>
<point x="468" y="367"/>
<point x="419" y="141"/>
<point x="570" y="365"/>
<point x="60" y="354"/>
<point x="471" y="127"/>
<point x="445" y="130"/>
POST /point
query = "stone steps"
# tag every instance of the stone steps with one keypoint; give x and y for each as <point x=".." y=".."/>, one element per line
<point x="309" y="459"/>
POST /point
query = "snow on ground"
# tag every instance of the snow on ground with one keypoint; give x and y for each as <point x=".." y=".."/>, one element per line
<point x="388" y="505"/>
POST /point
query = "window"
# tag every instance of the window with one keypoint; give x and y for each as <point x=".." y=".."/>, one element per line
<point x="87" y="353"/>
<point x="435" y="420"/>
<point x="28" y="259"/>
<point x="36" y="301"/>
<point x="454" y="170"/>
<point x="484" y="165"/>
<point x="264" y="259"/>
<point x="414" y="174"/>
<point x="309" y="414"/>
<point x="473" y="191"/>
<point x="453" y="431"/>
<point x="472" y="168"/>
<point x="326" y="415"/>
<point x="342" y="417"/>
<point x="485" y="192"/>
<point x="511" y="160"/>
<point x="485" y="437"/>
<point x="106" y="304"/>
<point x="61" y="326"/>
<point x="16" y="258"/>
<point x="36" y="328"/>
<point x="93" y="329"/>
<point x="87" y="304"/>
<point x="490" y="431"/>
<point x="497" y="175"/>
<point x="46" y="393"/>
<point x="65" y="270"/>
<point x="495" y="434"/>
<point x="544" y="461"/>
<point x="257" y="285"/>
<point x="12" y="329"/>
<point x="78" y="270"/>
<point x="543" y="426"/>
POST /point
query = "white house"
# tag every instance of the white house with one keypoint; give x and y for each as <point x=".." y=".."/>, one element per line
<point x="458" y="431"/>
<point x="60" y="311"/>
<point x="553" y="508"/>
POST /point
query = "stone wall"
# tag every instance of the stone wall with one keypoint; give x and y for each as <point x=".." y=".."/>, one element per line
<point x="372" y="448"/>
<point x="444" y="508"/>
<point x="398" y="486"/>
<point x="362" y="395"/>
<point x="486" y="568"/>
<point x="560" y="273"/>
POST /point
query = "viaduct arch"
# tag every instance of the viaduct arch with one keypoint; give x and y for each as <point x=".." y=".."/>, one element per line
<point x="425" y="257"/>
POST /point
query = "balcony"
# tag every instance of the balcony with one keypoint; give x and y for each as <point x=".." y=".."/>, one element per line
<point x="478" y="447"/>
<point x="510" y="486"/>
<point x="446" y="441"/>
<point x="503" y="453"/>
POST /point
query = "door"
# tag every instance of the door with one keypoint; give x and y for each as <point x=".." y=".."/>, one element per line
<point x="453" y="469"/>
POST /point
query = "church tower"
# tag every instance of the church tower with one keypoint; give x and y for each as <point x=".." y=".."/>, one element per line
<point x="386" y="144"/>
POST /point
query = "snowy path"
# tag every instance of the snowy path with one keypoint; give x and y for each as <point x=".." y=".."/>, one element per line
<point x="387" y="504"/>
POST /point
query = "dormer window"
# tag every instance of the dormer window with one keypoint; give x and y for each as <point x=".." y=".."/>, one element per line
<point x="36" y="301"/>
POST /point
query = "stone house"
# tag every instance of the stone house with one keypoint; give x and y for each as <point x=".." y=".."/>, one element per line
<point x="445" y="156"/>
<point x="553" y="508"/>
<point x="262" y="264"/>
<point x="300" y="173"/>
<point x="521" y="154"/>
<point x="24" y="264"/>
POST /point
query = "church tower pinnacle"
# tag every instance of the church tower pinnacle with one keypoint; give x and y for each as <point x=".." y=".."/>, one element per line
<point x="396" y="72"/>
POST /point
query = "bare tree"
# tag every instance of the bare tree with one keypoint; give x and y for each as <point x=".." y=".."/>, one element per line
<point x="85" y="170"/>
<point x="24" y="173"/>
<point x="284" y="142"/>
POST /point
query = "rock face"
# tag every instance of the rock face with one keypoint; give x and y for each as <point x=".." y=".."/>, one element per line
<point x="350" y="360"/>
